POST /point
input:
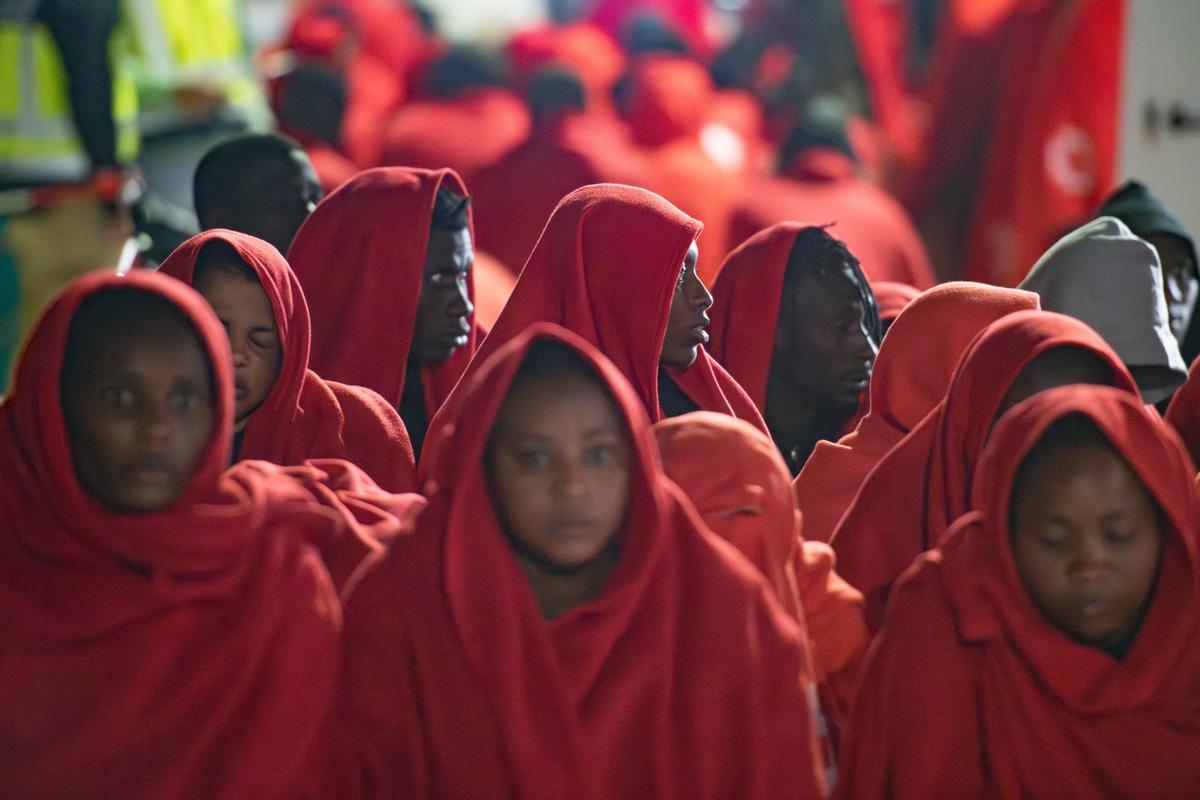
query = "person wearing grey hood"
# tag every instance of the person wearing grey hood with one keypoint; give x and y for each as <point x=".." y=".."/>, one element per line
<point x="1105" y="276"/>
<point x="1148" y="218"/>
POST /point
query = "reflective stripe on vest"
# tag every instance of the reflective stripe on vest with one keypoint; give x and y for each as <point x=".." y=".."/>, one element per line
<point x="38" y="139"/>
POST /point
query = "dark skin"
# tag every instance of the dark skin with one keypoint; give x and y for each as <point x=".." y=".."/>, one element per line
<point x="559" y="471"/>
<point x="1087" y="540"/>
<point x="138" y="414"/>
<point x="284" y="193"/>
<point x="1180" y="280"/>
<point x="821" y="363"/>
<point x="1059" y="366"/>
<point x="245" y="311"/>
<point x="687" y="322"/>
<point x="444" y="310"/>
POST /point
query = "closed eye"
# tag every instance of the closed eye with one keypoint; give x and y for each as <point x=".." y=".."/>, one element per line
<point x="264" y="337"/>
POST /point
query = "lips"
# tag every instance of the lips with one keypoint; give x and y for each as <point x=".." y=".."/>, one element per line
<point x="699" y="331"/>
<point x="152" y="470"/>
<point x="456" y="335"/>
<point x="574" y="529"/>
<point x="856" y="380"/>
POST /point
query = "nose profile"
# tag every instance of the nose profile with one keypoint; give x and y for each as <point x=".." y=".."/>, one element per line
<point x="461" y="305"/>
<point x="702" y="299"/>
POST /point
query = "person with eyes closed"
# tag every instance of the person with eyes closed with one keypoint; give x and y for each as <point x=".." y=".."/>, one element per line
<point x="915" y="492"/>
<point x="182" y="615"/>
<point x="285" y="412"/>
<point x="387" y="263"/>
<point x="1049" y="647"/>
<point x="556" y="584"/>
<point x="616" y="265"/>
<point x="795" y="322"/>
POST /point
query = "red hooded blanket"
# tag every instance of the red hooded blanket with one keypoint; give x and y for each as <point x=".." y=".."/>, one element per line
<point x="682" y="679"/>
<point x="360" y="257"/>
<point x="304" y="416"/>
<point x="913" y="495"/>
<point x="606" y="268"/>
<point x="190" y="652"/>
<point x="912" y="371"/>
<point x="971" y="692"/>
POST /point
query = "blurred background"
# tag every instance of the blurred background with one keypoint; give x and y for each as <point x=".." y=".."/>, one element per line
<point x="948" y="138"/>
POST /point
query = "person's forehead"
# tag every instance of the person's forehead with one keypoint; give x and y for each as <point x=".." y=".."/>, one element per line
<point x="528" y="402"/>
<point x="836" y="286"/>
<point x="444" y="244"/>
<point x="166" y="349"/>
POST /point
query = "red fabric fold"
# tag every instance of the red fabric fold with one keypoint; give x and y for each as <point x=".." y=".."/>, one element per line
<point x="871" y="223"/>
<point x="191" y="652"/>
<point x="892" y="298"/>
<point x="916" y="361"/>
<point x="304" y="417"/>
<point x="514" y="197"/>
<point x="971" y="692"/>
<point x="748" y="503"/>
<point x="680" y="680"/>
<point x="1184" y="412"/>
<point x="923" y="484"/>
<point x="605" y="268"/>
<point x="671" y="100"/>
<point x="745" y="311"/>
<point x="465" y="133"/>
<point x="360" y="257"/>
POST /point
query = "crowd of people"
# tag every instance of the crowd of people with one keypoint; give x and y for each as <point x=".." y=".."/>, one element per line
<point x="588" y="418"/>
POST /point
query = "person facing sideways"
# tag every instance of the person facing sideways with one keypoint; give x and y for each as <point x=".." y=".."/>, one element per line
<point x="570" y="627"/>
<point x="616" y="265"/>
<point x="1149" y="219"/>
<point x="386" y="262"/>
<point x="260" y="184"/>
<point x="748" y="503"/>
<point x="923" y="484"/>
<point x="284" y="412"/>
<point x="172" y="628"/>
<point x="1051" y="647"/>
<point x="795" y="323"/>
<point x="910" y="376"/>
<point x="1112" y="280"/>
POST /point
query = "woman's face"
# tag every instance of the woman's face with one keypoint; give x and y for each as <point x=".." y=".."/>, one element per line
<point x="1086" y="537"/>
<point x="687" y="324"/>
<point x="559" y="469"/>
<point x="139" y="413"/>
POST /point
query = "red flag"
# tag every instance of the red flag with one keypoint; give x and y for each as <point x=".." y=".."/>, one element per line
<point x="1053" y="153"/>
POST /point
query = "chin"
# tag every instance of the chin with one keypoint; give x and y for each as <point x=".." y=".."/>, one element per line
<point x="144" y="503"/>
<point x="682" y="362"/>
<point x="570" y="560"/>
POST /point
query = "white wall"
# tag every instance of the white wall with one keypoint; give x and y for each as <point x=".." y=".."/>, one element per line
<point x="1162" y="64"/>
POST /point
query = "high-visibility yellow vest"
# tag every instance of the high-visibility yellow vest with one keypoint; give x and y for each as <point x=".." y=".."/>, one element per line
<point x="176" y="42"/>
<point x="39" y="142"/>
